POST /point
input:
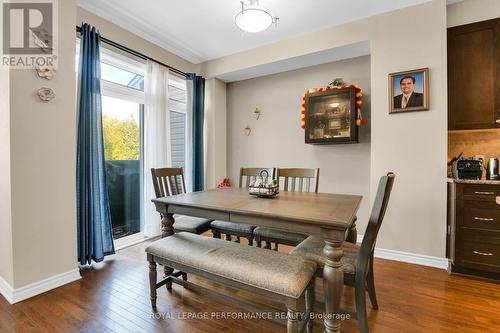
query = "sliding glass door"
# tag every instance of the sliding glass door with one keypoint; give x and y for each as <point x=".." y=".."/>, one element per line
<point x="122" y="85"/>
<point x="121" y="120"/>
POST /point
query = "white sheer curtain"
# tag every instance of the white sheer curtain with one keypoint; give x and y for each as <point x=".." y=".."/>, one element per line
<point x="157" y="152"/>
<point x="188" y="169"/>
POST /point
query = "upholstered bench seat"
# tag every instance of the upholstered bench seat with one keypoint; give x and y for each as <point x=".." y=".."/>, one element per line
<point x="312" y="248"/>
<point x="275" y="272"/>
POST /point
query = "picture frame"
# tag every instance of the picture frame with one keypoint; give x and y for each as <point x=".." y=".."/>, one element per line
<point x="409" y="91"/>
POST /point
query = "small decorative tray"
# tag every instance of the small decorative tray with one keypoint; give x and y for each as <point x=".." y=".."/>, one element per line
<point x="261" y="188"/>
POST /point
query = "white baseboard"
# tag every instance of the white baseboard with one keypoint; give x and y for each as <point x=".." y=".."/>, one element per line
<point x="411" y="258"/>
<point x="5" y="290"/>
<point x="36" y="288"/>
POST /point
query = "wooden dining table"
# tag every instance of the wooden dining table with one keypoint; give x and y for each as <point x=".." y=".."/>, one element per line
<point x="325" y="214"/>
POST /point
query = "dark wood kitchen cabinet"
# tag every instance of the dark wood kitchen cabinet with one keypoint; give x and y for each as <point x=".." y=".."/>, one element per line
<point x="474" y="229"/>
<point x="474" y="76"/>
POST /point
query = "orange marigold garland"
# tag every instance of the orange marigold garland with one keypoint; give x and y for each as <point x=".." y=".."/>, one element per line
<point x="359" y="103"/>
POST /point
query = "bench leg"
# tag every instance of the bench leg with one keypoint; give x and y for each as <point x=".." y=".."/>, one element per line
<point x="250" y="240"/>
<point x="275" y="247"/>
<point x="167" y="229"/>
<point x="228" y="237"/>
<point x="292" y="325"/>
<point x="310" y="306"/>
<point x="268" y="245"/>
<point x="152" y="283"/>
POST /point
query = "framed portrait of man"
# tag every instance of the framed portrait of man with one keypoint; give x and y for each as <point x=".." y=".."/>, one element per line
<point x="409" y="91"/>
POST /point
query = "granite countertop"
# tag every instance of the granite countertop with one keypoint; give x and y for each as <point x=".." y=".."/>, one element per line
<point x="474" y="181"/>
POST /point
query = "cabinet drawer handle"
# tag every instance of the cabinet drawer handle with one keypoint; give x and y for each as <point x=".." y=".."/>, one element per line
<point x="484" y="193"/>
<point x="483" y="253"/>
<point x="483" y="219"/>
<point x="497" y="121"/>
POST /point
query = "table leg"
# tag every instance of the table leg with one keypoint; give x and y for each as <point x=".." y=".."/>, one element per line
<point x="333" y="280"/>
<point x="167" y="229"/>
<point x="167" y="223"/>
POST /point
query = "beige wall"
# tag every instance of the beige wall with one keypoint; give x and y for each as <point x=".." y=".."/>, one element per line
<point x="215" y="132"/>
<point x="6" y="268"/>
<point x="40" y="240"/>
<point x="469" y="11"/>
<point x="413" y="145"/>
<point x="121" y="36"/>
<point x="43" y="155"/>
<point x="277" y="140"/>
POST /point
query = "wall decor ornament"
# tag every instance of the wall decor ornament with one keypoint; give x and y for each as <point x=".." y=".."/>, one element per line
<point x="45" y="94"/>
<point x="338" y="83"/>
<point x="247" y="130"/>
<point x="45" y="72"/>
<point x="256" y="113"/>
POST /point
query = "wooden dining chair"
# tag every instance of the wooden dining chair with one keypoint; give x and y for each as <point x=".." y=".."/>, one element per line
<point x="229" y="229"/>
<point x="358" y="260"/>
<point x="293" y="180"/>
<point x="170" y="181"/>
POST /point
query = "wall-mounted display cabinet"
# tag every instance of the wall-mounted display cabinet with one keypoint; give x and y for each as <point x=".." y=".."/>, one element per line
<point x="331" y="117"/>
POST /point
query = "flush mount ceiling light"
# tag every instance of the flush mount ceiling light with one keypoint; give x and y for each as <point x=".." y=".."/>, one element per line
<point x="253" y="18"/>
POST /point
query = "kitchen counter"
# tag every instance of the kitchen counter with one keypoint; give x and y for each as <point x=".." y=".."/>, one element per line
<point x="474" y="181"/>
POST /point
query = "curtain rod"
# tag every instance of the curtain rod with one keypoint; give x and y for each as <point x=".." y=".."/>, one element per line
<point x="136" y="53"/>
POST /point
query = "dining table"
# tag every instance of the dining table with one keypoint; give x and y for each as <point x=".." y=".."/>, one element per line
<point x="327" y="215"/>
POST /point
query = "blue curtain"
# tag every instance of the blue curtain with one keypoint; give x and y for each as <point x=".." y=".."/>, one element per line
<point x="198" y="113"/>
<point x="95" y="238"/>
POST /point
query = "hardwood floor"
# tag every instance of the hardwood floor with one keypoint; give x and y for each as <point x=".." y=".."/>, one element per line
<point x="113" y="296"/>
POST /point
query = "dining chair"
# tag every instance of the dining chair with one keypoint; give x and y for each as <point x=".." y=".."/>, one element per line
<point x="229" y="229"/>
<point x="357" y="259"/>
<point x="293" y="180"/>
<point x="170" y="181"/>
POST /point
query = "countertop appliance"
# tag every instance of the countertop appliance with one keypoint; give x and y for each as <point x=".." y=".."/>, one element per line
<point x="468" y="169"/>
<point x="492" y="169"/>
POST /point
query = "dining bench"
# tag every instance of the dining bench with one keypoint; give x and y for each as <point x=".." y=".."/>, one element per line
<point x="282" y="277"/>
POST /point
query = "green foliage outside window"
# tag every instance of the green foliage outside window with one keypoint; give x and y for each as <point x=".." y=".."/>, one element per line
<point x="121" y="139"/>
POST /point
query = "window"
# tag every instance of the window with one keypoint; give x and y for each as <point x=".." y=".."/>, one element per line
<point x="123" y="98"/>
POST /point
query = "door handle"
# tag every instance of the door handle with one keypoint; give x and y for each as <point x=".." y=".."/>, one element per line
<point x="483" y="219"/>
<point x="483" y="253"/>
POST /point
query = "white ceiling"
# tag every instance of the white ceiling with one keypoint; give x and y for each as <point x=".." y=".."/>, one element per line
<point x="201" y="30"/>
<point x="311" y="59"/>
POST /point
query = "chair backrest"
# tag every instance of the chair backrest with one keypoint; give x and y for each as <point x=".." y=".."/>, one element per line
<point x="251" y="174"/>
<point x="168" y="181"/>
<point x="298" y="179"/>
<point x="377" y="216"/>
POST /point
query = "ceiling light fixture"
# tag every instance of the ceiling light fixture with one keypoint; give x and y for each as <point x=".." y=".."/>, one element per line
<point x="253" y="18"/>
